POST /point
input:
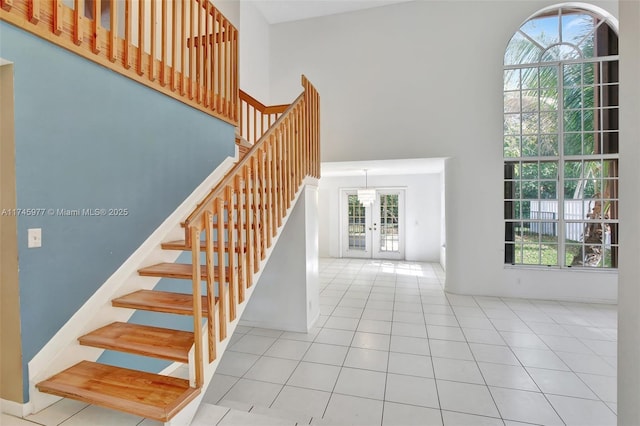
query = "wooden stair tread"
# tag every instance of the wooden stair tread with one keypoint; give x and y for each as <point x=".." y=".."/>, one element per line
<point x="176" y="270"/>
<point x="157" y="342"/>
<point x="160" y="301"/>
<point x="143" y="394"/>
<point x="182" y="245"/>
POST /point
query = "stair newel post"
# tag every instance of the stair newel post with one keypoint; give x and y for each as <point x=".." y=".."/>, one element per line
<point x="231" y="229"/>
<point x="222" y="280"/>
<point x="240" y="234"/>
<point x="211" y="293"/>
<point x="251" y="228"/>
<point x="197" y="303"/>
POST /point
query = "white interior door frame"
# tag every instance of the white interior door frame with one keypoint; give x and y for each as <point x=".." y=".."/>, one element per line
<point x="363" y="234"/>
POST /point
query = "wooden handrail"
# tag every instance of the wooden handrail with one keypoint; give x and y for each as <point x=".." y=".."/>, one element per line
<point x="246" y="208"/>
<point x="152" y="46"/>
<point x="256" y="117"/>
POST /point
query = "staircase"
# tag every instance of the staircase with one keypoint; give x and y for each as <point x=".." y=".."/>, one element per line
<point x="228" y="234"/>
<point x="189" y="51"/>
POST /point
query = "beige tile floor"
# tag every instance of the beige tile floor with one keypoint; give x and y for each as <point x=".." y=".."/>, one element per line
<point x="392" y="348"/>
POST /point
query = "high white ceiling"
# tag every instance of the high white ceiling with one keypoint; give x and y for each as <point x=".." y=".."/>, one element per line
<point x="277" y="11"/>
<point x="411" y="166"/>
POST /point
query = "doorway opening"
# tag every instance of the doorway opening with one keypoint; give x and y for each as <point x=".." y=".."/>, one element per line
<point x="376" y="230"/>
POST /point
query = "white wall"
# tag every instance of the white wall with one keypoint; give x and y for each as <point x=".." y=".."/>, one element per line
<point x="422" y="212"/>
<point x="629" y="307"/>
<point x="424" y="79"/>
<point x="254" y="52"/>
<point x="287" y="294"/>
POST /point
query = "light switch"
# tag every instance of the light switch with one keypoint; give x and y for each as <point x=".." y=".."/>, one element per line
<point x="34" y="236"/>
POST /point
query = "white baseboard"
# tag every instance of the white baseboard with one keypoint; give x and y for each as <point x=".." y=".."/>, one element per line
<point x="15" y="409"/>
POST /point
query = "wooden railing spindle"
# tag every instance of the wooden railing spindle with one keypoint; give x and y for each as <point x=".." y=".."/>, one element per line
<point x="113" y="31"/>
<point x="164" y="34"/>
<point x="78" y="15"/>
<point x="183" y="49"/>
<point x="7" y="4"/>
<point x="97" y="10"/>
<point x="127" y="33"/>
<point x="222" y="286"/>
<point x="252" y="228"/>
<point x="239" y="188"/>
<point x="141" y="35"/>
<point x="57" y="17"/>
<point x="231" y="241"/>
<point x="197" y="305"/>
<point x="199" y="40"/>
<point x="34" y="11"/>
<point x="174" y="46"/>
<point x="211" y="293"/>
<point x="192" y="49"/>
<point x="207" y="54"/>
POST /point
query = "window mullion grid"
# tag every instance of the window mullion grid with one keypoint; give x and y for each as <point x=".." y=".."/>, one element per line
<point x="562" y="257"/>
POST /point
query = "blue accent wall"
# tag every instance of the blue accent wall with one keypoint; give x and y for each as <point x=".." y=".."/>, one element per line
<point x="89" y="138"/>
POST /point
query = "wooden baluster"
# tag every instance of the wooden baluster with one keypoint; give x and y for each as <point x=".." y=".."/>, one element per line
<point x="281" y="212"/>
<point x="192" y="49"/>
<point x="57" y="16"/>
<point x="238" y="189"/>
<point x="269" y="193"/>
<point x="222" y="280"/>
<point x="214" y="59"/>
<point x="218" y="41"/>
<point x="197" y="304"/>
<point x="164" y="47"/>
<point x="183" y="49"/>
<point x="227" y="67"/>
<point x="255" y="125"/>
<point x="211" y="293"/>
<point x="257" y="211"/>
<point x="174" y="45"/>
<point x="78" y="15"/>
<point x="34" y="11"/>
<point x="141" y="33"/>
<point x="113" y="31"/>
<point x="231" y="241"/>
<point x="235" y="74"/>
<point x="97" y="17"/>
<point x="296" y="145"/>
<point x="290" y="162"/>
<point x="207" y="53"/>
<point x="275" y="209"/>
<point x="264" y="222"/>
<point x="200" y="41"/>
<point x="127" y="33"/>
<point x="152" y="44"/>
<point x="7" y="4"/>
<point x="252" y="228"/>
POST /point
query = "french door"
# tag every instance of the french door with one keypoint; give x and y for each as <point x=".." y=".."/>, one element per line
<point x="373" y="230"/>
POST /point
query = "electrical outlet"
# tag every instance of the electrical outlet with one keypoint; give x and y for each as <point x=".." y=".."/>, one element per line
<point x="34" y="236"/>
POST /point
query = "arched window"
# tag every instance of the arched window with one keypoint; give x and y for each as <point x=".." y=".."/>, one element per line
<point x="561" y="141"/>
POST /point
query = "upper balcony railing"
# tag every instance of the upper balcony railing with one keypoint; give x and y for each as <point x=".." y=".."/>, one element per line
<point x="185" y="49"/>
